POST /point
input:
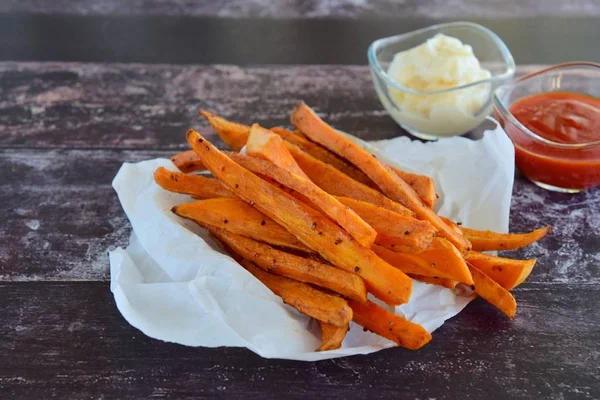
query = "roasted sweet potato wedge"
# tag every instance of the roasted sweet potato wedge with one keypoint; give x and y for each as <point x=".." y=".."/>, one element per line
<point x="391" y="326"/>
<point x="331" y="336"/>
<point x="361" y="231"/>
<point x="198" y="186"/>
<point x="423" y="185"/>
<point x="488" y="240"/>
<point x="390" y="184"/>
<point x="311" y="227"/>
<point x="269" y="146"/>
<point x="294" y="267"/>
<point x="493" y="293"/>
<point x="337" y="183"/>
<point x="440" y="259"/>
<point x="187" y="161"/>
<point x="392" y="228"/>
<point x="233" y="134"/>
<point x="309" y="301"/>
<point x="323" y="155"/>
<point x="506" y="272"/>
<point x="236" y="216"/>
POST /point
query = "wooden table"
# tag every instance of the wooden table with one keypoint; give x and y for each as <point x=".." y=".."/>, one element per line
<point x="65" y="128"/>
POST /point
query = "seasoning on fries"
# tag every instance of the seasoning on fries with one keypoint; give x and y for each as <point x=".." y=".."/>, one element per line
<point x="322" y="223"/>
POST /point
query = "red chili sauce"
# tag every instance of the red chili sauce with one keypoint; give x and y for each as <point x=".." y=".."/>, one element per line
<point x="565" y="118"/>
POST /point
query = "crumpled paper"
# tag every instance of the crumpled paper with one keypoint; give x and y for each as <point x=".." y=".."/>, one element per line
<point x="175" y="282"/>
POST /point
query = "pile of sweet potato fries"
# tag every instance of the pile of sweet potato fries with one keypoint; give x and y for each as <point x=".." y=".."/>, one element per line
<point x="322" y="222"/>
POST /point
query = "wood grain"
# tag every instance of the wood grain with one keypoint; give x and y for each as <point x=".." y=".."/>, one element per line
<point x="72" y="343"/>
<point x="71" y="105"/>
<point x="310" y="9"/>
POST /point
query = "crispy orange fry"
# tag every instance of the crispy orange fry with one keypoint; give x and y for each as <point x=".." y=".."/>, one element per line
<point x="440" y="259"/>
<point x="235" y="216"/>
<point x="233" y="134"/>
<point x="345" y="217"/>
<point x="421" y="184"/>
<point x="314" y="229"/>
<point x="447" y="283"/>
<point x="198" y="186"/>
<point x="390" y="184"/>
<point x="493" y="293"/>
<point x="269" y="146"/>
<point x="337" y="183"/>
<point x="488" y="240"/>
<point x="391" y="326"/>
<point x="331" y="336"/>
<point x="294" y="267"/>
<point x="187" y="161"/>
<point x="323" y="155"/>
<point x="453" y="225"/>
<point x="506" y="272"/>
<point x="309" y="301"/>
<point x="392" y="228"/>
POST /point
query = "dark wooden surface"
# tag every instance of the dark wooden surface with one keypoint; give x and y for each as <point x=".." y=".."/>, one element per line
<point x="64" y="131"/>
<point x="309" y="8"/>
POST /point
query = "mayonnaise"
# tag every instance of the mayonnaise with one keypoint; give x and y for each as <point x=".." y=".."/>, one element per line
<point x="443" y="62"/>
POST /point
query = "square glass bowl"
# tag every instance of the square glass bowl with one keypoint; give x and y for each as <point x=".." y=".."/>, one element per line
<point x="489" y="49"/>
<point x="554" y="166"/>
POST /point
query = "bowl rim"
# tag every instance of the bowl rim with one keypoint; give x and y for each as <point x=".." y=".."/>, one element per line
<point x="503" y="109"/>
<point x="376" y="66"/>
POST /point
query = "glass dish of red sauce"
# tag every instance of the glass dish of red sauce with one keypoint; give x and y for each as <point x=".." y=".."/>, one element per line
<point x="553" y="118"/>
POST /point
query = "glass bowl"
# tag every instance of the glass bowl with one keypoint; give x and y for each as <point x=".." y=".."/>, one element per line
<point x="555" y="166"/>
<point x="489" y="49"/>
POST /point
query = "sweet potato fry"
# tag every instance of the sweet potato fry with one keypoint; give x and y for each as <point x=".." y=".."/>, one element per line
<point x="309" y="301"/>
<point x="391" y="326"/>
<point x="445" y="282"/>
<point x="440" y="259"/>
<point x="337" y="183"/>
<point x="423" y="185"/>
<point x="233" y="134"/>
<point x="390" y="184"/>
<point x="269" y="146"/>
<point x="297" y="268"/>
<point x="453" y="225"/>
<point x="198" y="186"/>
<point x="493" y="293"/>
<point x="323" y="155"/>
<point x="488" y="240"/>
<point x="331" y="336"/>
<point x="329" y="205"/>
<point x="506" y="272"/>
<point x="392" y="228"/>
<point x="187" y="161"/>
<point x="314" y="229"/>
<point x="235" y="216"/>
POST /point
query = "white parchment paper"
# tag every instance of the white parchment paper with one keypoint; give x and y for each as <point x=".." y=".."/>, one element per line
<point x="175" y="283"/>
